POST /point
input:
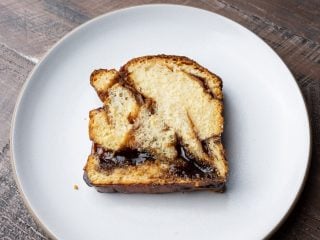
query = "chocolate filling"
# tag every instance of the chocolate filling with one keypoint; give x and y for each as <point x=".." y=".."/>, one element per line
<point x="190" y="168"/>
<point x="125" y="157"/>
<point x="185" y="167"/>
<point x="124" y="81"/>
<point x="204" y="84"/>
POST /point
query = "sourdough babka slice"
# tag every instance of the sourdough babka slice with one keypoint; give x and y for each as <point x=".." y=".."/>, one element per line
<point x="159" y="129"/>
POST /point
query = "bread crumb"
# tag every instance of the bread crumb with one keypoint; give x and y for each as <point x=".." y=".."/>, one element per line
<point x="75" y="187"/>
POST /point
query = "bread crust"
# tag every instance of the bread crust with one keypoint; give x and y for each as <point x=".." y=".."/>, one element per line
<point x="216" y="186"/>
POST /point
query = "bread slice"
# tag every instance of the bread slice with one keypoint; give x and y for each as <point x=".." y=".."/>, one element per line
<point x="159" y="129"/>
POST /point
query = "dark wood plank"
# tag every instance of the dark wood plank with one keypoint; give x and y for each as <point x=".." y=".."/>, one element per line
<point x="29" y="28"/>
<point x="301" y="17"/>
<point x="32" y="27"/>
<point x="15" y="220"/>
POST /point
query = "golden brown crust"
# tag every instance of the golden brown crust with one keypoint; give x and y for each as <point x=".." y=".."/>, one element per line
<point x="158" y="188"/>
<point x="100" y="86"/>
<point x="165" y="185"/>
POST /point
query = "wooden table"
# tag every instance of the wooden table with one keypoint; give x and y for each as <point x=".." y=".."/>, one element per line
<point x="29" y="28"/>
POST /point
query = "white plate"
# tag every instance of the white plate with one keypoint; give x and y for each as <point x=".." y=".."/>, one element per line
<point x="267" y="134"/>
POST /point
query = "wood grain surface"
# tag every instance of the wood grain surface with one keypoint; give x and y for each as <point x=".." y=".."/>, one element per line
<point x="29" y="28"/>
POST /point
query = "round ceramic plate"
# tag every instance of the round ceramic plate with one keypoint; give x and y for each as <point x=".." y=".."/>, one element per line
<point x="266" y="136"/>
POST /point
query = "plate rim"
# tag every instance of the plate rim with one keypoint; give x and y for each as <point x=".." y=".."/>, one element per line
<point x="42" y="59"/>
